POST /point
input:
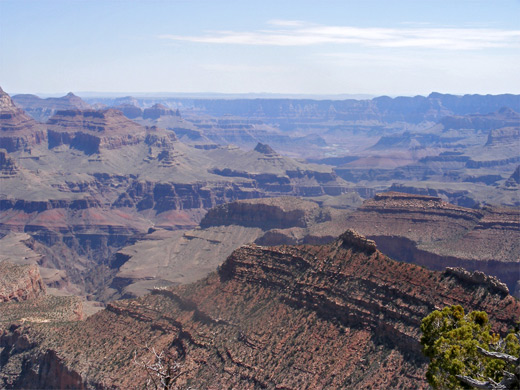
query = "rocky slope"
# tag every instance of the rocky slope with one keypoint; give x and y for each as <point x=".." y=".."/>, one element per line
<point x="423" y="230"/>
<point x="90" y="130"/>
<point x="19" y="283"/>
<point x="98" y="180"/>
<point x="23" y="297"/>
<point x="18" y="131"/>
<point x="428" y="231"/>
<point x="8" y="166"/>
<point x="163" y="257"/>
<point x="341" y="315"/>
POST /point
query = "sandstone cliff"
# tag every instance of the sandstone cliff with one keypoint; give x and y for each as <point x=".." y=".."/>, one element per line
<point x="284" y="212"/>
<point x="341" y="315"/>
<point x="18" y="131"/>
<point x="428" y="231"/>
<point x="90" y="130"/>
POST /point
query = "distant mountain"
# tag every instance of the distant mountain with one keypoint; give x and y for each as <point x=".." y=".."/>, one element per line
<point x="383" y="109"/>
<point x="43" y="109"/>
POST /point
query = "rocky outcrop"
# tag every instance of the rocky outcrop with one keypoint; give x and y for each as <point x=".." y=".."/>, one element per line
<point x="514" y="179"/>
<point x="18" y="131"/>
<point x="317" y="317"/>
<point x="283" y="212"/>
<point x="130" y="111"/>
<point x="20" y="282"/>
<point x="91" y="130"/>
<point x="504" y="136"/>
<point x="428" y="231"/>
<point x="479" y="278"/>
<point x="158" y="110"/>
<point x="8" y="166"/>
<point x="354" y="240"/>
<point x="264" y="149"/>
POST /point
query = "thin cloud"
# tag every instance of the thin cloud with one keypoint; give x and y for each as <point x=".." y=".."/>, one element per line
<point x="298" y="33"/>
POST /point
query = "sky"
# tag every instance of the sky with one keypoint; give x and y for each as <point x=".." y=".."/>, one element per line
<point x="326" y="47"/>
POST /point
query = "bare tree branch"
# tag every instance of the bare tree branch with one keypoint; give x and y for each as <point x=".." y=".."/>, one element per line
<point x="162" y="370"/>
<point x="489" y="385"/>
<point x="498" y="355"/>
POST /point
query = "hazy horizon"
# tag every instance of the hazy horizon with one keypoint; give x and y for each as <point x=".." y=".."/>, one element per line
<point x="331" y="48"/>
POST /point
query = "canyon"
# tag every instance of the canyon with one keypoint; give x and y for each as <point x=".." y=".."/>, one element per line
<point x="340" y="315"/>
<point x="262" y="243"/>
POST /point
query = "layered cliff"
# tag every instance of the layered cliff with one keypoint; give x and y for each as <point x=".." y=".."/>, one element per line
<point x="102" y="180"/>
<point x="90" y="130"/>
<point x="342" y="315"/>
<point x="18" y="131"/>
<point x="266" y="214"/>
<point x="505" y="117"/>
<point x="158" y="110"/>
<point x="428" y="231"/>
<point x="163" y="257"/>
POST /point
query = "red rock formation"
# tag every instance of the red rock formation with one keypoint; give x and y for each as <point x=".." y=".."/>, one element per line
<point x="20" y="282"/>
<point x="342" y="315"/>
<point x="283" y="212"/>
<point x="428" y="231"/>
<point x="18" y="131"/>
<point x="90" y="130"/>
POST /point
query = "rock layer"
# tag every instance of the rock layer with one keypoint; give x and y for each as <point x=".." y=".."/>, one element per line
<point x="90" y="130"/>
<point x="18" y="131"/>
<point x="292" y="317"/>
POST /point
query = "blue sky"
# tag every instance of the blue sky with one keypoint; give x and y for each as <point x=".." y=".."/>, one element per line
<point x="374" y="47"/>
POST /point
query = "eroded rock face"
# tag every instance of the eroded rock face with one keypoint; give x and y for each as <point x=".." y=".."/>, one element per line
<point x="479" y="278"/>
<point x="264" y="149"/>
<point x="159" y="110"/>
<point x="129" y="110"/>
<point x="505" y="135"/>
<point x="90" y="130"/>
<point x="505" y="117"/>
<point x="18" y="131"/>
<point x="20" y="282"/>
<point x="317" y="317"/>
<point x="417" y="217"/>
<point x="283" y="212"/>
<point x="428" y="231"/>
<point x="8" y="166"/>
